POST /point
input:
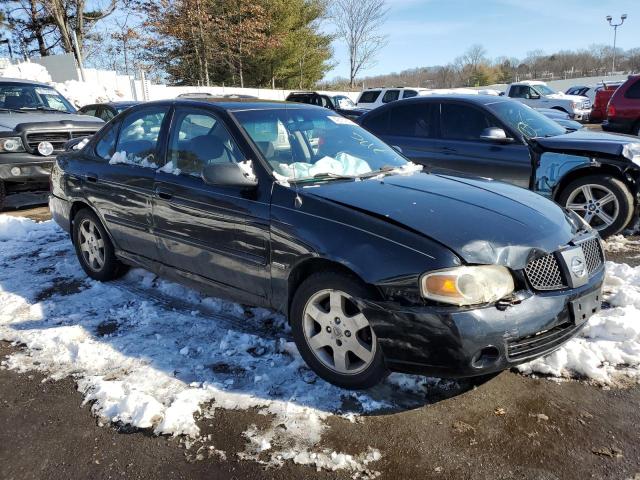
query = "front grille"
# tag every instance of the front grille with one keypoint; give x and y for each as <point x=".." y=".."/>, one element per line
<point x="57" y="139"/>
<point x="593" y="254"/>
<point x="545" y="274"/>
<point x="542" y="342"/>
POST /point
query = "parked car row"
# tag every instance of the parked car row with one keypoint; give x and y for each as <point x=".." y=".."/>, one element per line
<point x="284" y="206"/>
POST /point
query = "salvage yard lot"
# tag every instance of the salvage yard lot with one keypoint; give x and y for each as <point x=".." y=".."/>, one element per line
<point x="90" y="371"/>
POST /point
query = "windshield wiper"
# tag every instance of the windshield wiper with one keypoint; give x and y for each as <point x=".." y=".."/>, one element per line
<point x="382" y="170"/>
<point x="3" y="109"/>
<point x="45" y="109"/>
<point x="323" y="176"/>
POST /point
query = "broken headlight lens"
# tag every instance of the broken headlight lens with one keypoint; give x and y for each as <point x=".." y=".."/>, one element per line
<point x="11" y="144"/>
<point x="632" y="152"/>
<point x="467" y="285"/>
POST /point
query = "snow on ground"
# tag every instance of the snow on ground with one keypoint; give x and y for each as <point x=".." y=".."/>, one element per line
<point x="609" y="345"/>
<point x="620" y="243"/>
<point x="156" y="355"/>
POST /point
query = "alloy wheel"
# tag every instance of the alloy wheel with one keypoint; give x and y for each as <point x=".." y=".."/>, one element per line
<point x="91" y="245"/>
<point x="338" y="334"/>
<point x="596" y="204"/>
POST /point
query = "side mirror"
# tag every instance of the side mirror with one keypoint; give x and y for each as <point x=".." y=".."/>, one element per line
<point x="534" y="96"/>
<point x="228" y="175"/>
<point x="495" y="134"/>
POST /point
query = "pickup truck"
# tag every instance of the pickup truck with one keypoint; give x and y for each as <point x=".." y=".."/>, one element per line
<point x="539" y="95"/>
<point x="35" y="124"/>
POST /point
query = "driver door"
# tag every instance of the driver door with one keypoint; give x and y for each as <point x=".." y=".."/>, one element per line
<point x="218" y="233"/>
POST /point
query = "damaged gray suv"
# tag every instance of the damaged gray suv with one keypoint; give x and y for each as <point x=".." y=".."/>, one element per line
<point x="35" y="124"/>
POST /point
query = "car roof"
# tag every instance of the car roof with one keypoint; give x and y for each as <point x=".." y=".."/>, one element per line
<point x="23" y="81"/>
<point x="480" y="99"/>
<point x="235" y="104"/>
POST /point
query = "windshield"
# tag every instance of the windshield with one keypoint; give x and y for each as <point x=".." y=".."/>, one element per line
<point x="544" y="90"/>
<point x="343" y="102"/>
<point x="24" y="97"/>
<point x="526" y="120"/>
<point x="307" y="143"/>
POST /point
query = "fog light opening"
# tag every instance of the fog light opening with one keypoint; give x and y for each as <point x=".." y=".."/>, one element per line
<point x="15" y="171"/>
<point x="485" y="357"/>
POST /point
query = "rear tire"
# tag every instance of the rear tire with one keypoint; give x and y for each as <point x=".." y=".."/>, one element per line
<point x="602" y="200"/>
<point x="334" y="338"/>
<point x="94" y="248"/>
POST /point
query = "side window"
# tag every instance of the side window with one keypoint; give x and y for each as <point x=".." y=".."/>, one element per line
<point x="518" y="91"/>
<point x="138" y="139"/>
<point x="106" y="146"/>
<point x="198" y="138"/>
<point x="369" y="96"/>
<point x="413" y="120"/>
<point x="90" y="110"/>
<point x="377" y="123"/>
<point x="391" y="96"/>
<point x="633" y="91"/>
<point x="106" y="114"/>
<point x="409" y="94"/>
<point x="461" y="122"/>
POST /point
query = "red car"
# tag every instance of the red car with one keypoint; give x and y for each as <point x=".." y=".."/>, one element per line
<point x="623" y="113"/>
<point x="601" y="101"/>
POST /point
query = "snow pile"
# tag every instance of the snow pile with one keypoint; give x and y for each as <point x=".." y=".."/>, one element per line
<point x="77" y="92"/>
<point x="131" y="159"/>
<point x="157" y="355"/>
<point x="609" y="345"/>
<point x="620" y="243"/>
<point x="27" y="71"/>
<point x="84" y="93"/>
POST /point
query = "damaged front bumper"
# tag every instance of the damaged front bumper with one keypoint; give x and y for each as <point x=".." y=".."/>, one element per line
<point x="458" y="342"/>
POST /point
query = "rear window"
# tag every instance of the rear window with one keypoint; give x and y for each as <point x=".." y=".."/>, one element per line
<point x="634" y="90"/>
<point x="409" y="94"/>
<point x="369" y="96"/>
<point x="391" y="96"/>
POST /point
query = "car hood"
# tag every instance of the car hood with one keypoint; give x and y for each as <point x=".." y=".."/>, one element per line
<point x="10" y="120"/>
<point x="585" y="140"/>
<point x="562" y="96"/>
<point x="482" y="221"/>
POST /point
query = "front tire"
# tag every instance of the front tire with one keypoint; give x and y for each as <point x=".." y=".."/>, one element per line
<point x="333" y="336"/>
<point x="94" y="248"/>
<point x="602" y="200"/>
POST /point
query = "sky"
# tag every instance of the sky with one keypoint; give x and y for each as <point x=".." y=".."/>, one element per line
<point x="433" y="32"/>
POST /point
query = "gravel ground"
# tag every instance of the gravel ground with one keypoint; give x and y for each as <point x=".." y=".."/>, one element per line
<point x="511" y="426"/>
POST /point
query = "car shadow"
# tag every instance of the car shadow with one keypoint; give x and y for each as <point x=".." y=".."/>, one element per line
<point x="176" y="333"/>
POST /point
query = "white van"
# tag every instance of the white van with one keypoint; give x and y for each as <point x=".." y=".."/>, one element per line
<point x="374" y="97"/>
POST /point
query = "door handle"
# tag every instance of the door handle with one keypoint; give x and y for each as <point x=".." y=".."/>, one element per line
<point x="91" y="177"/>
<point x="164" y="193"/>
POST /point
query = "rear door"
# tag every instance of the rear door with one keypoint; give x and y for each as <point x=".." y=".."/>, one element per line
<point x="120" y="183"/>
<point x="218" y="233"/>
<point x="412" y="126"/>
<point x="460" y="150"/>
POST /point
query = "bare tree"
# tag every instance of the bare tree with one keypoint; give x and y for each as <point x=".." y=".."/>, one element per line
<point x="358" y="23"/>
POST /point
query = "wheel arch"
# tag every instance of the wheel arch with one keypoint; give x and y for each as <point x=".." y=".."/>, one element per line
<point x="560" y="108"/>
<point x="77" y="206"/>
<point x="304" y="269"/>
<point x="607" y="169"/>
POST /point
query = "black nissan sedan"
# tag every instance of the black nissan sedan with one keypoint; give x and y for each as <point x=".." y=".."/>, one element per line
<point x="377" y="265"/>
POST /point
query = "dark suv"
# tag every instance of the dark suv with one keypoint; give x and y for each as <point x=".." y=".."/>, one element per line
<point x="623" y="112"/>
<point x="35" y="124"/>
<point x="377" y="265"/>
<point x="594" y="174"/>
<point x="338" y="103"/>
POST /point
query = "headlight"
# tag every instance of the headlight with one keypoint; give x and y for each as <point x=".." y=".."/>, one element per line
<point x="11" y="144"/>
<point x="467" y="285"/>
<point x="632" y="152"/>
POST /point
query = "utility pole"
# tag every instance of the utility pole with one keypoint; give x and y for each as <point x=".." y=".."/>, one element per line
<point x="615" y="26"/>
